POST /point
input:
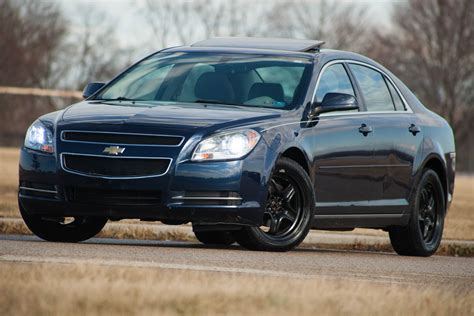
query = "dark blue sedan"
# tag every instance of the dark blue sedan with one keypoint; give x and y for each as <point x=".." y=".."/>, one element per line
<point x="254" y="141"/>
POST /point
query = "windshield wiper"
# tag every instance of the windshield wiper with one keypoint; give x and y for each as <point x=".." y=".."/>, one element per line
<point x="211" y="101"/>
<point x="117" y="99"/>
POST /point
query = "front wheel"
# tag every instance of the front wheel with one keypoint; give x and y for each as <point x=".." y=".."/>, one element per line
<point x="288" y="213"/>
<point x="63" y="229"/>
<point x="422" y="235"/>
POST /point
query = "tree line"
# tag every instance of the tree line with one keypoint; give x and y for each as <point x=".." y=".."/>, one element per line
<point x="429" y="44"/>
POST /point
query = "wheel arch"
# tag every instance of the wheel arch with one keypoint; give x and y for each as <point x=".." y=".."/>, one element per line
<point x="296" y="154"/>
<point x="436" y="163"/>
<point x="299" y="156"/>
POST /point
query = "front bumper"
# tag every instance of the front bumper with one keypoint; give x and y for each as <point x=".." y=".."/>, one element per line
<point x="236" y="191"/>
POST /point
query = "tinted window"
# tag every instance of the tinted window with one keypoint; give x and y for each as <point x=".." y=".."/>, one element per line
<point x="335" y="80"/>
<point x="142" y="84"/>
<point x="397" y="101"/>
<point x="244" y="79"/>
<point x="287" y="77"/>
<point x="375" y="91"/>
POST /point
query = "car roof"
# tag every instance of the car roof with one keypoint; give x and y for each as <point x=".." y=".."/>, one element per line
<point x="274" y="46"/>
<point x="281" y="44"/>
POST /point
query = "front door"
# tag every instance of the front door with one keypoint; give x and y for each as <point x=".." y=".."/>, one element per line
<point x="342" y="146"/>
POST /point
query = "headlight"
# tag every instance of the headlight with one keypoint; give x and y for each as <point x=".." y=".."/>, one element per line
<point x="39" y="137"/>
<point x="226" y="146"/>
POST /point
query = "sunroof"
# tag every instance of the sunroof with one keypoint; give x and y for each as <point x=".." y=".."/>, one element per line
<point x="295" y="45"/>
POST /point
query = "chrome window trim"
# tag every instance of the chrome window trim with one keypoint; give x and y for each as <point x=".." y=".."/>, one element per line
<point x="119" y="133"/>
<point x="350" y="61"/>
<point x="38" y="190"/>
<point x="64" y="167"/>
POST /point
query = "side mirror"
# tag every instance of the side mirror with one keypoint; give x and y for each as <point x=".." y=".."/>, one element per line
<point x="92" y="88"/>
<point x="335" y="102"/>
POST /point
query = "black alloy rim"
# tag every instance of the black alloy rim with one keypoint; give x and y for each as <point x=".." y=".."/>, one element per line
<point x="284" y="209"/>
<point x="428" y="212"/>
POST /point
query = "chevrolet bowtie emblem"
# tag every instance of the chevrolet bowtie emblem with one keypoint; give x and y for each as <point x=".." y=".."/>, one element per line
<point x="114" y="150"/>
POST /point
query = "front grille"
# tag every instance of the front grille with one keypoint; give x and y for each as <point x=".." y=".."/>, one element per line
<point x="112" y="197"/>
<point x="122" y="138"/>
<point x="115" y="166"/>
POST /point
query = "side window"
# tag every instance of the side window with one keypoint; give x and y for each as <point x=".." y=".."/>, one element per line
<point x="397" y="101"/>
<point x="374" y="89"/>
<point x="335" y="80"/>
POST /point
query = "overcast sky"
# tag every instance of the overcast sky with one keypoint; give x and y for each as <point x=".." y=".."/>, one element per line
<point x="133" y="31"/>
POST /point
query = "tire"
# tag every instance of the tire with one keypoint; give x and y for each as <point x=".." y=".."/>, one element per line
<point x="80" y="229"/>
<point x="288" y="214"/>
<point x="422" y="236"/>
<point x="216" y="237"/>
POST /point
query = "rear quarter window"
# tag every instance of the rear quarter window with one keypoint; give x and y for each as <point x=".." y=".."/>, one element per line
<point x="397" y="101"/>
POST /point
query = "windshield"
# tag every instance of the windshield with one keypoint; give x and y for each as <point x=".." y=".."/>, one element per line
<point x="242" y="79"/>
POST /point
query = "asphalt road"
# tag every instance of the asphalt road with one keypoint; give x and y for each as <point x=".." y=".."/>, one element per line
<point x="299" y="263"/>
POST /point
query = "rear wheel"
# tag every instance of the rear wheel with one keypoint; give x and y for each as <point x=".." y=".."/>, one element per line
<point x="63" y="229"/>
<point x="288" y="212"/>
<point x="422" y="235"/>
<point x="215" y="237"/>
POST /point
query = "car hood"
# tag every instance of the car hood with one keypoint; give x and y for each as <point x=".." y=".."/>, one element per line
<point x="186" y="115"/>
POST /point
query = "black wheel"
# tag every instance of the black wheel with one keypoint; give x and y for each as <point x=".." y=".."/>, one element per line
<point x="288" y="213"/>
<point x="215" y="237"/>
<point x="423" y="234"/>
<point x="63" y="229"/>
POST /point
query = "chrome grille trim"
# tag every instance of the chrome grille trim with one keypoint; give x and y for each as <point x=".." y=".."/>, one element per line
<point x="64" y="167"/>
<point x="120" y="133"/>
<point x="38" y="190"/>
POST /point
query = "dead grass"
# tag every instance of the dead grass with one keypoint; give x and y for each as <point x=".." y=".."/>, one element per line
<point x="121" y="231"/>
<point x="9" y="182"/>
<point x="142" y="232"/>
<point x="459" y="223"/>
<point x="73" y="289"/>
<point x="460" y="219"/>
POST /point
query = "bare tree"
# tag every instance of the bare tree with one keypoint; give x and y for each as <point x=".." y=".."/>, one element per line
<point x="31" y="33"/>
<point x="431" y="48"/>
<point x="92" y="52"/>
<point x="170" y="20"/>
<point x="38" y="49"/>
<point x="186" y="21"/>
<point x="340" y="25"/>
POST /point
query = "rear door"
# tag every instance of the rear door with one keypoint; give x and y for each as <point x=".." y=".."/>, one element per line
<point x="343" y="155"/>
<point x="395" y="146"/>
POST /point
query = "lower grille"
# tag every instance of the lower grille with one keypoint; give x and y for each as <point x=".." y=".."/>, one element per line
<point x="112" y="197"/>
<point x="115" y="166"/>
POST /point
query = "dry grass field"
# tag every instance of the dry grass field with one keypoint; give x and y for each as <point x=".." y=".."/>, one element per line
<point x="71" y="289"/>
<point x="459" y="223"/>
<point x="28" y="288"/>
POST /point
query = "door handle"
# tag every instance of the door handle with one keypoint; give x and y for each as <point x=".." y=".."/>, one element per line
<point x="414" y="129"/>
<point x="365" y="130"/>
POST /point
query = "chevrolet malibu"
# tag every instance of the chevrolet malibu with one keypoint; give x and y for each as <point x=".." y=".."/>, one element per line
<point x="254" y="141"/>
